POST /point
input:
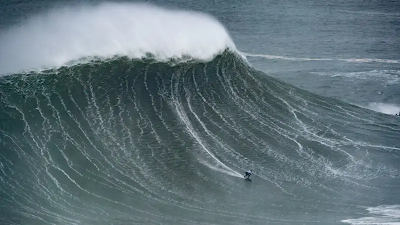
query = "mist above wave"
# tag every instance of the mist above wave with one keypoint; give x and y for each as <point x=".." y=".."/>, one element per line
<point x="59" y="36"/>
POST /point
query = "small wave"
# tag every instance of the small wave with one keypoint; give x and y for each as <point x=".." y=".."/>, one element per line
<point x="386" y="108"/>
<point x="355" y="60"/>
<point x="369" y="60"/>
<point x="387" y="77"/>
<point x="111" y="29"/>
<point x="384" y="214"/>
<point x="376" y="13"/>
<point x="284" y="57"/>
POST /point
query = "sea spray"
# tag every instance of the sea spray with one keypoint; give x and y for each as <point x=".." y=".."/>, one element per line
<point x="110" y="29"/>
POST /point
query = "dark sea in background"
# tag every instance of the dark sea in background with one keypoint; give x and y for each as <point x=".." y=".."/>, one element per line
<point x="149" y="113"/>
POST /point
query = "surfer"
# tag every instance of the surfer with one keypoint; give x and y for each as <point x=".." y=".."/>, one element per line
<point x="248" y="173"/>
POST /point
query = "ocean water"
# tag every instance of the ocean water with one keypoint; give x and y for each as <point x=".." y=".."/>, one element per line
<point x="149" y="113"/>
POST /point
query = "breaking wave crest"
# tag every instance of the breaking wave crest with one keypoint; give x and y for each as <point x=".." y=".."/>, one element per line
<point x="110" y="29"/>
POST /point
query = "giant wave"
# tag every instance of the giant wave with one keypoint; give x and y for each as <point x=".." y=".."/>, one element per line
<point x="120" y="139"/>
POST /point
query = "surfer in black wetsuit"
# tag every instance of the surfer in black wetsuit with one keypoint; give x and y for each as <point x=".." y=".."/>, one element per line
<point x="248" y="173"/>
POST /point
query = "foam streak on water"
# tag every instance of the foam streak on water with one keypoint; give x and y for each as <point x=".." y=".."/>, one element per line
<point x="354" y="60"/>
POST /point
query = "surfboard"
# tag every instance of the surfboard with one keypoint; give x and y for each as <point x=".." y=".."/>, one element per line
<point x="247" y="179"/>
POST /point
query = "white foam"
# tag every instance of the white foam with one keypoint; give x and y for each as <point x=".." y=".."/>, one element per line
<point x="384" y="214"/>
<point x="386" y="108"/>
<point x="63" y="35"/>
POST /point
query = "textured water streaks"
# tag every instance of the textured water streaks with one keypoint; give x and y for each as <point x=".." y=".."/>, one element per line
<point x="147" y="142"/>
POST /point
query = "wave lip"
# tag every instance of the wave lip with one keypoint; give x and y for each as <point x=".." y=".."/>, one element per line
<point x="109" y="29"/>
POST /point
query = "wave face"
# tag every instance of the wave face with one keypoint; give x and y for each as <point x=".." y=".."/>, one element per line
<point x="133" y="141"/>
<point x="139" y="141"/>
